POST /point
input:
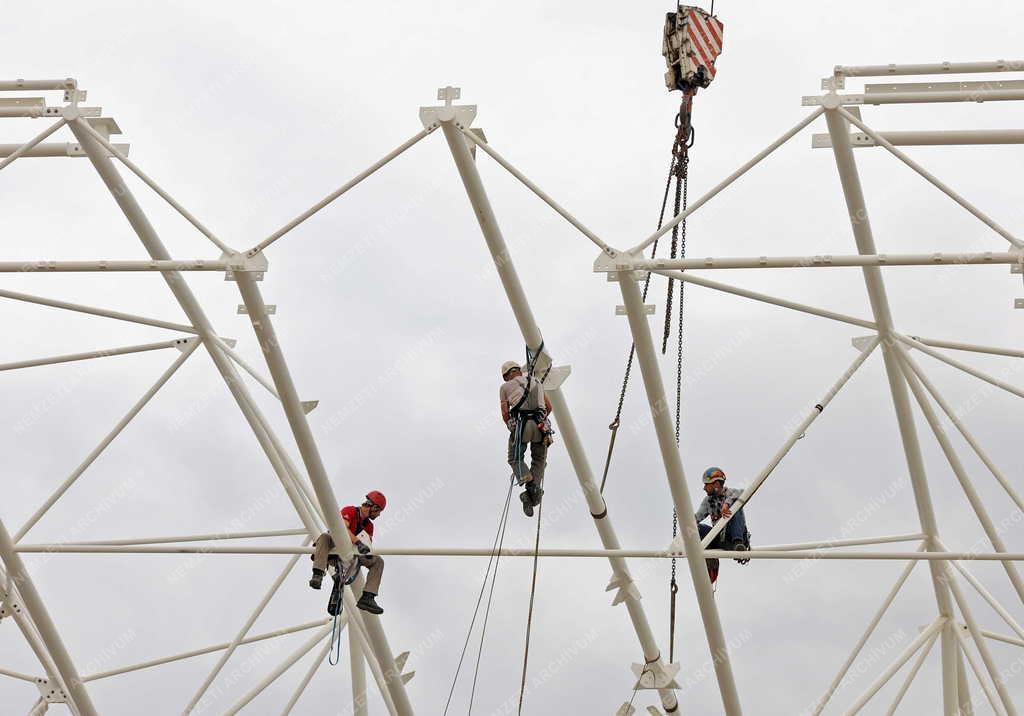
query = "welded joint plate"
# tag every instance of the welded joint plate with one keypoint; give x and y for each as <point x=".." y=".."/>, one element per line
<point x="625" y="588"/>
<point x="243" y="311"/>
<point x="862" y="343"/>
<point x="613" y="276"/>
<point x="400" y="665"/>
<point x="9" y="608"/>
<point x="256" y="265"/>
<point x="556" y="376"/>
<point x="50" y="693"/>
<point x="182" y="344"/>
<point x="655" y="675"/>
<point x="815" y="100"/>
<point x="627" y="709"/>
<point x="857" y="139"/>
<point x="1018" y="303"/>
<point x="462" y="115"/>
<point x="622" y="261"/>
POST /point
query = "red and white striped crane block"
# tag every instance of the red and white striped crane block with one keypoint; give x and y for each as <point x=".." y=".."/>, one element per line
<point x="692" y="43"/>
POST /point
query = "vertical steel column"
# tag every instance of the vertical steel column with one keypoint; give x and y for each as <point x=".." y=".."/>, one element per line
<point x="563" y="417"/>
<point x="658" y="401"/>
<point x="357" y="664"/>
<point x="271" y="347"/>
<point x="47" y="629"/>
<point x="838" y="128"/>
<point x="963" y="689"/>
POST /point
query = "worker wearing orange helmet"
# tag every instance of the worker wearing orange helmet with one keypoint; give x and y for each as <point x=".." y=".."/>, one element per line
<point x="359" y="521"/>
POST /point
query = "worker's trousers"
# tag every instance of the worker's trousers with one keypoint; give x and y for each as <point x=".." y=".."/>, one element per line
<point x="735" y="531"/>
<point x="533" y="437"/>
<point x="374" y="564"/>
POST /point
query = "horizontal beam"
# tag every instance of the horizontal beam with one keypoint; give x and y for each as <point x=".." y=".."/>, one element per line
<point x="929" y="68"/>
<point x="525" y="552"/>
<point x="766" y="298"/>
<point x="180" y="343"/>
<point x="915" y="97"/>
<point x="118" y="315"/>
<point x="853" y="542"/>
<point x="53" y="149"/>
<point x="970" y="347"/>
<point x="938" y="258"/>
<point x="949" y="137"/>
<point x="204" y="650"/>
<point x="195" y="538"/>
<point x="20" y="85"/>
<point x="117" y="266"/>
<point x="1003" y="638"/>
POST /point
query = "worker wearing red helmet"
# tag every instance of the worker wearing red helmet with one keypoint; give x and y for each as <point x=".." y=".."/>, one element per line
<point x="358" y="520"/>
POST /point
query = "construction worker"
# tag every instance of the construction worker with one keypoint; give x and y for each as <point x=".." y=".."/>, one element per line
<point x="524" y="410"/>
<point x="717" y="504"/>
<point x="359" y="521"/>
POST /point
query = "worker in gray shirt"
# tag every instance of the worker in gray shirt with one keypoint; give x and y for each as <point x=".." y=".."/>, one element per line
<point x="717" y="505"/>
<point x="524" y="410"/>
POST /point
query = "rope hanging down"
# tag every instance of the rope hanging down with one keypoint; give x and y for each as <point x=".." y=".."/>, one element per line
<point x="495" y="557"/>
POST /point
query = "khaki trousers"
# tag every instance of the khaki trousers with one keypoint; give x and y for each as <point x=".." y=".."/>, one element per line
<point x="374" y="564"/>
<point x="533" y="437"/>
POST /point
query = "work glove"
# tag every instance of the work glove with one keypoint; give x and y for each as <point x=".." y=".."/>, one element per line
<point x="363" y="549"/>
<point x="511" y="424"/>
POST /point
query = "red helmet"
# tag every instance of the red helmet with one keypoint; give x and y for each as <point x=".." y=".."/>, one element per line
<point x="377" y="498"/>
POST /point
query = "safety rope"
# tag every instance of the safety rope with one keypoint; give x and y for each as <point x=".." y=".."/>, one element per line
<point x="529" y="614"/>
<point x="495" y="555"/>
<point x="335" y="655"/>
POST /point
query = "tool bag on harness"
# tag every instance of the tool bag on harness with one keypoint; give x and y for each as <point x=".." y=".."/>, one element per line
<point x="531" y="407"/>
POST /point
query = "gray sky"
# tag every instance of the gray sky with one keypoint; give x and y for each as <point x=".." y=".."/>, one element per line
<point x="391" y="315"/>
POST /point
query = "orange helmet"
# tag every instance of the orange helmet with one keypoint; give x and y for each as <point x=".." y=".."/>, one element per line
<point x="377" y="498"/>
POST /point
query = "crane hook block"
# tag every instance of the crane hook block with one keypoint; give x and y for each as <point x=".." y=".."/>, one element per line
<point x="692" y="43"/>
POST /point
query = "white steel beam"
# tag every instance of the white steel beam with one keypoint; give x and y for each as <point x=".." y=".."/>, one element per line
<point x="20" y="85"/>
<point x="992" y="601"/>
<point x="765" y="298"/>
<point x="205" y="650"/>
<point x="838" y="127"/>
<point x="241" y="635"/>
<point x="196" y="538"/>
<point x="107" y="439"/>
<point x="27" y="146"/>
<point x="796" y="435"/>
<point x="30" y="632"/>
<point x="787" y="553"/>
<point x="64" y="150"/>
<point x="868" y="631"/>
<point x="271" y="345"/>
<point x="998" y="677"/>
<point x="85" y="126"/>
<point x="357" y="668"/>
<point x="266" y="681"/>
<point x="912" y="674"/>
<point x="986" y="688"/>
<point x="932" y="179"/>
<point x="318" y="660"/>
<point x="998" y="544"/>
<point x="131" y="318"/>
<point x="935" y="258"/>
<point x="544" y="196"/>
<point x="657" y="400"/>
<point x="970" y="347"/>
<point x="947" y="137"/>
<point x="498" y="249"/>
<point x="913" y="96"/>
<point x="756" y="159"/>
<point x="925" y="637"/>
<point x="113" y="266"/>
<point x="180" y="343"/>
<point x="962" y="366"/>
<point x="929" y="68"/>
<point x="338" y="192"/>
<point x="33" y="604"/>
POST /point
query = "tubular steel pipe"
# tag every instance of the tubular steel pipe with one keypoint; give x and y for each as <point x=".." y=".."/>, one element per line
<point x="563" y="416"/>
<point x="838" y="128"/>
<point x="67" y="305"/>
<point x="47" y="629"/>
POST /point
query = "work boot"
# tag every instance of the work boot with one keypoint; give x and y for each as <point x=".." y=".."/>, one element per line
<point x="741" y="546"/>
<point x="334" y="604"/>
<point x="527" y="503"/>
<point x="535" y="494"/>
<point x="367" y="603"/>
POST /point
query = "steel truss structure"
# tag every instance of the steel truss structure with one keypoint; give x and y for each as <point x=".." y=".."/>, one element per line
<point x="962" y="642"/>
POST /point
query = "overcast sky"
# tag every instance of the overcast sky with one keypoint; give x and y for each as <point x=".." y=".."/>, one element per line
<point x="391" y="315"/>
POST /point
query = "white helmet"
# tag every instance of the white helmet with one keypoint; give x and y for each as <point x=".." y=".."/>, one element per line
<point x="509" y="365"/>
